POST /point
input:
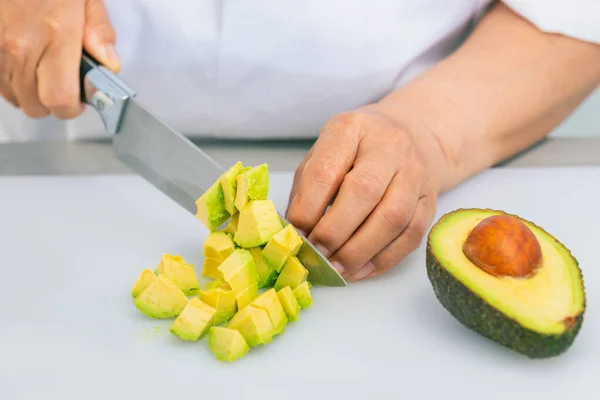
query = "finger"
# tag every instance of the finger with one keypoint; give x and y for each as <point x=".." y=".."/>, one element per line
<point x="5" y="87"/>
<point x="99" y="35"/>
<point x="58" y="70"/>
<point x="332" y="157"/>
<point x="387" y="221"/>
<point x="360" y="193"/>
<point x="297" y="176"/>
<point x="405" y="244"/>
<point x="24" y="47"/>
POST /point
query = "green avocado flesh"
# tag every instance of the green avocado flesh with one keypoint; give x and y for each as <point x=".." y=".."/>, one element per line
<point x="258" y="222"/>
<point x="255" y="284"/>
<point x="269" y="301"/>
<point x="194" y="321"/>
<point x="292" y="274"/>
<point x="284" y="244"/>
<point x="538" y="316"/>
<point x="229" y="185"/>
<point x="302" y="294"/>
<point x="227" y="344"/>
<point x="238" y="270"/>
<point x="289" y="303"/>
<point x="252" y="184"/>
<point x="161" y="299"/>
<point x="211" y="207"/>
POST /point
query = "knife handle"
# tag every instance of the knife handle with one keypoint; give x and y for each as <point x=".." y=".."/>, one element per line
<point x="104" y="91"/>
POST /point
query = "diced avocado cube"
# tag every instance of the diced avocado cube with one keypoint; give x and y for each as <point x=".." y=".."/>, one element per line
<point x="178" y="271"/>
<point x="266" y="274"/>
<point x="252" y="184"/>
<point x="246" y="296"/>
<point x="161" y="299"/>
<point x="223" y="300"/>
<point x="227" y="344"/>
<point x="228" y="182"/>
<point x="303" y="295"/>
<point x="284" y="244"/>
<point x="289" y="302"/>
<point x="194" y="321"/>
<point x="239" y="270"/>
<point x="292" y="274"/>
<point x="217" y="284"/>
<point x="211" y="207"/>
<point x="254" y="324"/>
<point x="269" y="301"/>
<point x="146" y="278"/>
<point x="258" y="222"/>
<point x="217" y="247"/>
<point x="232" y="226"/>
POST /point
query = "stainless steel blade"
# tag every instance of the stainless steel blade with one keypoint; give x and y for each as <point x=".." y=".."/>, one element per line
<point x="163" y="157"/>
<point x="167" y="159"/>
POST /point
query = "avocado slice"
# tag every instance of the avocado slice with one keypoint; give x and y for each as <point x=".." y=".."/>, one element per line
<point x="289" y="303"/>
<point x="226" y="344"/>
<point x="303" y="295"/>
<point x="217" y="284"/>
<point x="146" y="278"/>
<point x="238" y="270"/>
<point x="211" y="207"/>
<point x="182" y="274"/>
<point x="292" y="274"/>
<point x="506" y="279"/>
<point x="254" y="324"/>
<point x="232" y="226"/>
<point x="161" y="299"/>
<point x="258" y="222"/>
<point x="246" y="296"/>
<point x="266" y="275"/>
<point x="194" y="321"/>
<point x="283" y="245"/>
<point x="252" y="184"/>
<point x="223" y="300"/>
<point x="269" y="301"/>
<point x="228" y="182"/>
<point x="217" y="247"/>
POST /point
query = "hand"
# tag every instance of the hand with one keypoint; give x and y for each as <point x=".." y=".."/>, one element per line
<point x="380" y="177"/>
<point x="40" y="52"/>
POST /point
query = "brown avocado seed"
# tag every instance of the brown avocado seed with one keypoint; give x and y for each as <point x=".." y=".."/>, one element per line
<point x="502" y="245"/>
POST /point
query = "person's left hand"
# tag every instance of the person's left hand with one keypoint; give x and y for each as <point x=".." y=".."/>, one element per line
<point x="381" y="176"/>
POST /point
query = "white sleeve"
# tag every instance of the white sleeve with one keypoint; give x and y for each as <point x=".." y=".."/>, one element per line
<point x="579" y="19"/>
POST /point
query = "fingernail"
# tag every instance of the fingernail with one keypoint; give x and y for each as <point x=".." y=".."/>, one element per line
<point x="322" y="249"/>
<point x="112" y="56"/>
<point x="338" y="267"/>
<point x="363" y="272"/>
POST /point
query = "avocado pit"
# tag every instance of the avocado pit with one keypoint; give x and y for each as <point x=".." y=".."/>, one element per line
<point x="502" y="245"/>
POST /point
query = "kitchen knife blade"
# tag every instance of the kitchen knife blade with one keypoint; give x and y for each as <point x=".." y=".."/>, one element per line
<point x="165" y="158"/>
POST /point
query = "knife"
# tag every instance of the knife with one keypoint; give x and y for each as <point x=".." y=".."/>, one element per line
<point x="165" y="158"/>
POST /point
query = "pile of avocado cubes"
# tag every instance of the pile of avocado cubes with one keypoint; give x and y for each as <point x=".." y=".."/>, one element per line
<point x="257" y="284"/>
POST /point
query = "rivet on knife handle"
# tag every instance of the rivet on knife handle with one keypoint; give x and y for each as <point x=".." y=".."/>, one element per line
<point x="104" y="91"/>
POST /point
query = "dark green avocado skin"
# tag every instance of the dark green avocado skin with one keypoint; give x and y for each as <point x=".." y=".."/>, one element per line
<point x="473" y="312"/>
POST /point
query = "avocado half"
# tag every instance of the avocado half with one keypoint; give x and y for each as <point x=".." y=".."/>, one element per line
<point x="538" y="314"/>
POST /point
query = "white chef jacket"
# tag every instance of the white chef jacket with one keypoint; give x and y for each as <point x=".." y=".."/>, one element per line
<point x="281" y="69"/>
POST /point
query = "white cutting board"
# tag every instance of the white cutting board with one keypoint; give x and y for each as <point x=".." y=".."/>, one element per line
<point x="71" y="248"/>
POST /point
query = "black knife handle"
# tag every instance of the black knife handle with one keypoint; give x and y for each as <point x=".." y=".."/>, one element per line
<point x="104" y="90"/>
<point x="88" y="63"/>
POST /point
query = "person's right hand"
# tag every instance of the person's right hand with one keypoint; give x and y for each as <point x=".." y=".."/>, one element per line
<point x="41" y="44"/>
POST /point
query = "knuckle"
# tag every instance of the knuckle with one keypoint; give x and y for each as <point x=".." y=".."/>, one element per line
<point x="65" y="96"/>
<point x="53" y="24"/>
<point x="395" y="216"/>
<point x="325" y="171"/>
<point x="15" y="43"/>
<point x="367" y="185"/>
<point x="327" y="235"/>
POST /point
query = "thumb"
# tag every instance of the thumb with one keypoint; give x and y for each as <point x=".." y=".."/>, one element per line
<point x="99" y="35"/>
